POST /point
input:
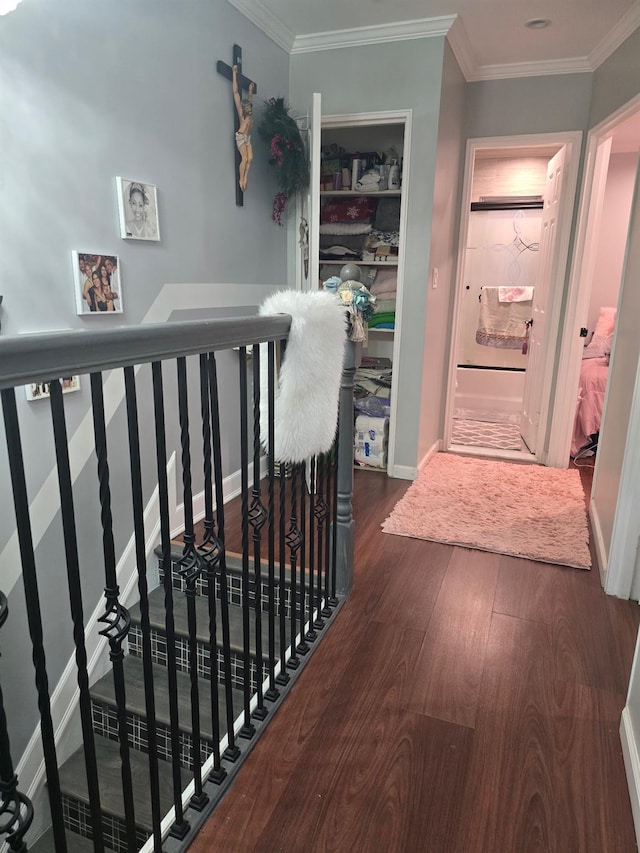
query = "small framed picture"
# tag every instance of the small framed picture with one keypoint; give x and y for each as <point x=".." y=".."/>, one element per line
<point x="41" y="390"/>
<point x="138" y="208"/>
<point x="98" y="283"/>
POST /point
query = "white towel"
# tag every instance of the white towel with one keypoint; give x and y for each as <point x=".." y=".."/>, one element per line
<point x="501" y="324"/>
<point x="515" y="294"/>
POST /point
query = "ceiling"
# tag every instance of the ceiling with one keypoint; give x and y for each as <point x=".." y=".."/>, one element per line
<point x="488" y="37"/>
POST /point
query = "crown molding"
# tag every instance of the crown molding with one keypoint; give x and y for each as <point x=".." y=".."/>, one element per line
<point x="462" y="49"/>
<point x="621" y="31"/>
<point x="398" y="31"/>
<point x="266" y="21"/>
<point x="575" y="65"/>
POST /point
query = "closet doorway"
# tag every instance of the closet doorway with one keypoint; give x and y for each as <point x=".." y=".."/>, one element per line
<point x="514" y="230"/>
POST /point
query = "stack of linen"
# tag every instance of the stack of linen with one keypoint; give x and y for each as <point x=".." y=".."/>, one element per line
<point x="344" y="226"/>
<point x="384" y="289"/>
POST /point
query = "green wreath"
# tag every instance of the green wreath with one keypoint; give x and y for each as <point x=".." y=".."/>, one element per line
<point x="287" y="153"/>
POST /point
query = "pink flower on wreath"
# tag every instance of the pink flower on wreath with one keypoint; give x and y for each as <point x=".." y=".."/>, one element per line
<point x="279" y="203"/>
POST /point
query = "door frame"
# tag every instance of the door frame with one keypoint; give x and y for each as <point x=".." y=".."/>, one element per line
<point x="581" y="278"/>
<point x="572" y="140"/>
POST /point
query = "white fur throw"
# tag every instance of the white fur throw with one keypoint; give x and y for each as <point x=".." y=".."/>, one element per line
<point x="307" y="389"/>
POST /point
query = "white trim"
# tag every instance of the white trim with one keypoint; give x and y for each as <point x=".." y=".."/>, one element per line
<point x="493" y="453"/>
<point x="543" y="68"/>
<point x="621" y="31"/>
<point x="436" y="447"/>
<point x="579" y="292"/>
<point x="404" y="472"/>
<point x="373" y="34"/>
<point x="462" y="49"/>
<point x="598" y="541"/>
<point x="631" y="765"/>
<point x="270" y="24"/>
<point x="543" y="140"/>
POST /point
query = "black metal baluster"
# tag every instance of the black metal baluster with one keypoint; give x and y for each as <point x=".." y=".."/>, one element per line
<point x="333" y="601"/>
<point x="272" y="692"/>
<point x="320" y="512"/>
<point x="190" y="568"/>
<point x="257" y="519"/>
<point x="248" y="729"/>
<point x="310" y="634"/>
<point x="67" y="511"/>
<point x="180" y="826"/>
<point x="116" y="617"/>
<point x="326" y="610"/>
<point x="283" y="676"/>
<point x="34" y="614"/>
<point x="210" y="551"/>
<point x="302" y="646"/>
<point x="294" y="540"/>
<point x="133" y="428"/>
<point x="232" y="752"/>
<point x="16" y="809"/>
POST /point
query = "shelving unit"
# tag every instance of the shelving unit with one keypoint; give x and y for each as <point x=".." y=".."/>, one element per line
<point x="348" y="139"/>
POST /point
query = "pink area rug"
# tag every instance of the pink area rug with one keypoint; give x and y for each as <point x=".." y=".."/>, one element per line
<point x="521" y="510"/>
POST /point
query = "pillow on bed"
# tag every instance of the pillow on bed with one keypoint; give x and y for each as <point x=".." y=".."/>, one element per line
<point x="603" y="333"/>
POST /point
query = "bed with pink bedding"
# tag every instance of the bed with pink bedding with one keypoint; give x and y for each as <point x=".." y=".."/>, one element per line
<point x="593" y="383"/>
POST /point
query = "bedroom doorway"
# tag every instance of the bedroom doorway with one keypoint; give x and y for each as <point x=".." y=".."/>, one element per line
<point x="517" y="208"/>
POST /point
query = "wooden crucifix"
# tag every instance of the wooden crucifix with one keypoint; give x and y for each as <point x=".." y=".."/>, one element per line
<point x="242" y="118"/>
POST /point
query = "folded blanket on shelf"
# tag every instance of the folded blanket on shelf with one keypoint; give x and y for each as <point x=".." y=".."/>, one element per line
<point x="349" y="209"/>
<point x="384" y="306"/>
<point x="343" y="228"/>
<point x="385" y="317"/>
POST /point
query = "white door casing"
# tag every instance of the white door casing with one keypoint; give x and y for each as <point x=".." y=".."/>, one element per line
<point x="538" y="333"/>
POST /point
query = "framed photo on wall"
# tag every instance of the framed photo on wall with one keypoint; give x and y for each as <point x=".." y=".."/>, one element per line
<point x="41" y="390"/>
<point x="138" y="209"/>
<point x="98" y="284"/>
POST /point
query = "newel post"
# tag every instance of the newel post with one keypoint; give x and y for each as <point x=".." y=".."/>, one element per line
<point x="345" y="525"/>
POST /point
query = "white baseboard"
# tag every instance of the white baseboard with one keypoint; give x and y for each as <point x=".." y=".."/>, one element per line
<point x="598" y="542"/>
<point x="436" y="447"/>
<point x="632" y="766"/>
<point x="64" y="700"/>
<point x="404" y="472"/>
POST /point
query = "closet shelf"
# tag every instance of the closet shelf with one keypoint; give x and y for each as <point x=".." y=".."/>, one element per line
<point x="363" y="263"/>
<point x="376" y="193"/>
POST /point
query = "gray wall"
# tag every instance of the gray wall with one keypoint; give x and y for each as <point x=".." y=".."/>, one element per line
<point x="400" y="75"/>
<point x="443" y="253"/>
<point x="89" y="91"/>
<point x="528" y="105"/>
<point x="616" y="81"/>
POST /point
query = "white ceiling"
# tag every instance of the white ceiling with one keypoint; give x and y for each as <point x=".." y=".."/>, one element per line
<point x="488" y="36"/>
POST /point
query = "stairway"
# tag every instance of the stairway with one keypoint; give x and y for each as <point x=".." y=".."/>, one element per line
<point x="73" y="782"/>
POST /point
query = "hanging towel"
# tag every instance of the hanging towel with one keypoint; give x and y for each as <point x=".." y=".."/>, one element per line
<point x="308" y="385"/>
<point x="515" y="294"/>
<point x="501" y="324"/>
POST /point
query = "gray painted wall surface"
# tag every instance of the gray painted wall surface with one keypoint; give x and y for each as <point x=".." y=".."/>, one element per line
<point x="528" y="105"/>
<point x="401" y="75"/>
<point x="90" y="91"/>
<point x="616" y="81"/>
<point x="443" y="253"/>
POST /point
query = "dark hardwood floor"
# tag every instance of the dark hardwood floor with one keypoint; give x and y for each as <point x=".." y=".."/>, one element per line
<point x="462" y="701"/>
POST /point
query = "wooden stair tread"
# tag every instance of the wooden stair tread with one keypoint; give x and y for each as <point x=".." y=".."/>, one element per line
<point x="73" y="781"/>
<point x="157" y="620"/>
<point x="104" y="691"/>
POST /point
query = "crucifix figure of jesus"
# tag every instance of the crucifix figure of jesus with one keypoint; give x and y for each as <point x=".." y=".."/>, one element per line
<point x="242" y="118"/>
<point x="244" y="107"/>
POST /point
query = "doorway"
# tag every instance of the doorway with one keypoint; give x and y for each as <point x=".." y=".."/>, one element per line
<point x="514" y="229"/>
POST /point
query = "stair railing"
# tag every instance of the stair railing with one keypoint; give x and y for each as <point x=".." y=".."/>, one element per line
<point x="219" y="638"/>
